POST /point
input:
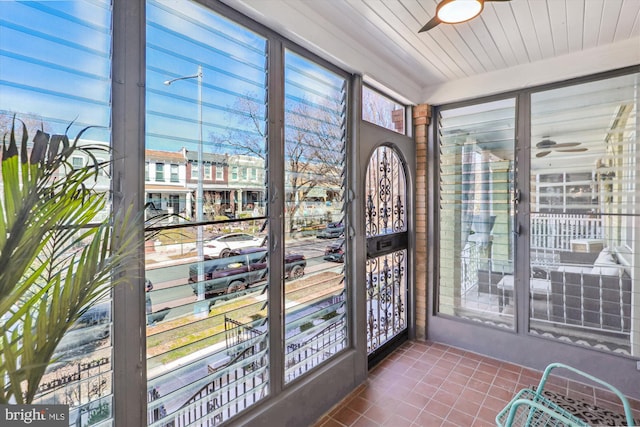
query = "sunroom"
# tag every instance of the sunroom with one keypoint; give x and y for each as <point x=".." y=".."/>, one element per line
<point x="328" y="183"/>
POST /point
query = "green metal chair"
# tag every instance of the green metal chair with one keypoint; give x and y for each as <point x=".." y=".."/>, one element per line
<point x="530" y="408"/>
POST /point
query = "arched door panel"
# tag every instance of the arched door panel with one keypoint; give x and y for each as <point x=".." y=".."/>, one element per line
<point x="388" y="267"/>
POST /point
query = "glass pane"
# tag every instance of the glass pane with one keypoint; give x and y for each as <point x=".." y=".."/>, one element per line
<point x="476" y="212"/>
<point x="315" y="317"/>
<point x="50" y="79"/>
<point x="584" y="213"/>
<point x="206" y="257"/>
<point x="382" y="111"/>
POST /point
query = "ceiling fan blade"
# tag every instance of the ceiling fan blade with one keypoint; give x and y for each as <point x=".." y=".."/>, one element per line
<point x="573" y="150"/>
<point x="429" y="25"/>
<point x="546" y="143"/>
<point x="542" y="154"/>
<point x="566" y="145"/>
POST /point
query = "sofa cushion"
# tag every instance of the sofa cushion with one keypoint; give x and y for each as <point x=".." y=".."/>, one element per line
<point x="605" y="257"/>
<point x="607" y="264"/>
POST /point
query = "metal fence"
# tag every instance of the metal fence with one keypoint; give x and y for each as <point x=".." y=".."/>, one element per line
<point x="234" y="386"/>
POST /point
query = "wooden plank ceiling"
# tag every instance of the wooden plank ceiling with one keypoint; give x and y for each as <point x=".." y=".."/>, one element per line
<point x="380" y="39"/>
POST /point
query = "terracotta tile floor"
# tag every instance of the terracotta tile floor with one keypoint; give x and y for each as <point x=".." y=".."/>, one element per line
<point x="429" y="384"/>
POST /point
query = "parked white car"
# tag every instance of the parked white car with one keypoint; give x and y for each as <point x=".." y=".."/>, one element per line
<point x="222" y="245"/>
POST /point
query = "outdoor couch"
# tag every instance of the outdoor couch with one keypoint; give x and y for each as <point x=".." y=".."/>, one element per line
<point x="592" y="296"/>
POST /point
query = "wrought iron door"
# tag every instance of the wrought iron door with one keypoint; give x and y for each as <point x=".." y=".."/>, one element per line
<point x="387" y="250"/>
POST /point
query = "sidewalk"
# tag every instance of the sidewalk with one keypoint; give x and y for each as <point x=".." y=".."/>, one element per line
<point x="186" y="360"/>
<point x="164" y="259"/>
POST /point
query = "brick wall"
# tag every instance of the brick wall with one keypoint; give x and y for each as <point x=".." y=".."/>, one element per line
<point x="421" y="120"/>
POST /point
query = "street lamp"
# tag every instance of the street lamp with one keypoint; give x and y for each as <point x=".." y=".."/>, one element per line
<point x="199" y="191"/>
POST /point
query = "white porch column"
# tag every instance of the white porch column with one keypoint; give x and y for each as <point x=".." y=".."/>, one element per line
<point x="189" y="207"/>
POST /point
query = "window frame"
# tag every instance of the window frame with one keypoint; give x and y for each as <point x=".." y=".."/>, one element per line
<point x="519" y="346"/>
<point x="194" y="170"/>
<point x="174" y="172"/>
<point x="159" y="172"/>
<point x="128" y="124"/>
<point x="77" y="162"/>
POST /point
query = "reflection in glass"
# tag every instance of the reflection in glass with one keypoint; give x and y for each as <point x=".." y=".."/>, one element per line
<point x="476" y="212"/>
<point x="315" y="314"/>
<point x="206" y="258"/>
<point x="584" y="195"/>
<point x="382" y="110"/>
<point x="52" y="79"/>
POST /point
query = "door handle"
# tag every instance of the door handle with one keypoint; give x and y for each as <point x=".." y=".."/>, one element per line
<point x="517" y="230"/>
<point x="516" y="196"/>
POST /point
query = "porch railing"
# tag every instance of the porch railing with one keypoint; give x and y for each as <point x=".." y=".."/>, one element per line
<point x="550" y="234"/>
<point x="556" y="231"/>
<point x="243" y="380"/>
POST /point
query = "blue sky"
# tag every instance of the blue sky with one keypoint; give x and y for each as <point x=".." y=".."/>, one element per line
<point x="64" y="76"/>
<point x="59" y="75"/>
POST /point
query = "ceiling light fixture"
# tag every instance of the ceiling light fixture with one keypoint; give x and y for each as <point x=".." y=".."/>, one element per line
<point x="456" y="11"/>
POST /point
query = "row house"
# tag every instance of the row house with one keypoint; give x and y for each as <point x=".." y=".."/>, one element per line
<point x="233" y="185"/>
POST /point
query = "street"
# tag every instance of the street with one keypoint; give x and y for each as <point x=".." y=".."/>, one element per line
<point x="173" y="296"/>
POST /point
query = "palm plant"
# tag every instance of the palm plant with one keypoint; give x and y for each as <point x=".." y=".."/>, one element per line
<point x="57" y="258"/>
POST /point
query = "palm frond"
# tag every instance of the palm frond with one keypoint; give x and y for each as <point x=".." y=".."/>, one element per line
<point x="56" y="259"/>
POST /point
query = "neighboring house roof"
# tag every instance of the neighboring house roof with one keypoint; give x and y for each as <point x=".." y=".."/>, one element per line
<point x="169" y="156"/>
<point x="206" y="157"/>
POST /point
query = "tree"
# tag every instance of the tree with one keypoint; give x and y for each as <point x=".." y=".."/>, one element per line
<point x="32" y="122"/>
<point x="314" y="152"/>
<point x="378" y="109"/>
<point x="314" y="144"/>
<point x="56" y="258"/>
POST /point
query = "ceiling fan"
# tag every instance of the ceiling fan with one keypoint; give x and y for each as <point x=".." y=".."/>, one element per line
<point x="455" y="12"/>
<point x="548" y="146"/>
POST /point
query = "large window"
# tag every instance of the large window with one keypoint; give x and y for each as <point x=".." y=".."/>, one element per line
<point x="314" y="150"/>
<point x="584" y="255"/>
<point x="55" y="68"/>
<point x="211" y="289"/>
<point x="566" y="201"/>
<point x="207" y="329"/>
<point x="476" y="212"/>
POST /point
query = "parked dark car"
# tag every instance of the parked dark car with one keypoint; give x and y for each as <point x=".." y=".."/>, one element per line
<point x="240" y="270"/>
<point x="92" y="326"/>
<point x="335" y="251"/>
<point x="331" y="231"/>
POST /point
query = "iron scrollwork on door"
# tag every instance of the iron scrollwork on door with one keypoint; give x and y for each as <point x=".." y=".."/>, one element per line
<point x="385" y="228"/>
<point x="386" y="194"/>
